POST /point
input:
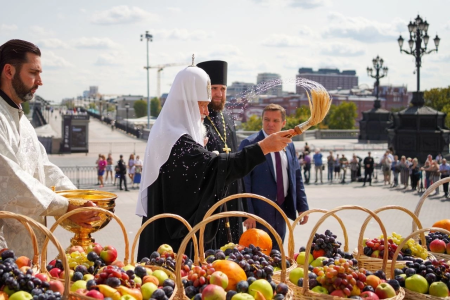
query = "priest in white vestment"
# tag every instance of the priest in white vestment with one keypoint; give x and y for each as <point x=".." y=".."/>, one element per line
<point x="26" y="174"/>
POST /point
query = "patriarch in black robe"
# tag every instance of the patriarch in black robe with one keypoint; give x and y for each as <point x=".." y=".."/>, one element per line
<point x="179" y="175"/>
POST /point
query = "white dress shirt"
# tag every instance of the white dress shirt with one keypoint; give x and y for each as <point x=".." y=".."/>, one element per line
<point x="284" y="167"/>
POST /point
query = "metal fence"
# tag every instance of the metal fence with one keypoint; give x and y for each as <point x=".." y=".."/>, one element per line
<point x="82" y="176"/>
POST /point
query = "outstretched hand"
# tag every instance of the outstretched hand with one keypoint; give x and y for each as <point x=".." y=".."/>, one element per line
<point x="276" y="141"/>
<point x="84" y="218"/>
<point x="250" y="223"/>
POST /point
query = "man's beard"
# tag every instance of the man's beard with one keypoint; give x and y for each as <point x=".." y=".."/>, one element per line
<point x="217" y="106"/>
<point x="21" y="90"/>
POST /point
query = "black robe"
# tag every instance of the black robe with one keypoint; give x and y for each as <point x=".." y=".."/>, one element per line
<point x="236" y="187"/>
<point x="189" y="183"/>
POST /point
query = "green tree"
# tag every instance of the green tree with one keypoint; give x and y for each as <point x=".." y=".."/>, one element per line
<point x="343" y="116"/>
<point x="26" y="107"/>
<point x="254" y="123"/>
<point x="155" y="107"/>
<point x="92" y="105"/>
<point x="140" y="108"/>
<point x="439" y="99"/>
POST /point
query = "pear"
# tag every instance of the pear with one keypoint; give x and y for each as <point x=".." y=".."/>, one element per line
<point x="136" y="293"/>
<point x="109" y="291"/>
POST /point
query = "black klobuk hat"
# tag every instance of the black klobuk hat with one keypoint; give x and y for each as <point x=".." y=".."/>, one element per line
<point x="216" y="69"/>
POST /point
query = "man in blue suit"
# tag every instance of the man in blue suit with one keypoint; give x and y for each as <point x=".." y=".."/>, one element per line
<point x="288" y="192"/>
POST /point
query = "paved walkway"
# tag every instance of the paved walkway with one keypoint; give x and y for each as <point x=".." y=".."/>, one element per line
<point x="325" y="196"/>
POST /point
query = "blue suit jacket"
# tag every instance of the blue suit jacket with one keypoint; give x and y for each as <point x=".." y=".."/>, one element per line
<point x="261" y="181"/>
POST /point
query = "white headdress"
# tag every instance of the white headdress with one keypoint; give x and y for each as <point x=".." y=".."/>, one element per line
<point x="180" y="115"/>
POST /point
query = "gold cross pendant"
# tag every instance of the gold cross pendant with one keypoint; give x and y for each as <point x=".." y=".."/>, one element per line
<point x="226" y="149"/>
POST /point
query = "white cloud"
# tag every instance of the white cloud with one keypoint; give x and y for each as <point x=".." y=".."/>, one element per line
<point x="361" y="29"/>
<point x="95" y="43"/>
<point x="7" y="28"/>
<point x="307" y="31"/>
<point x="122" y="14"/>
<point x="83" y="10"/>
<point x="182" y="34"/>
<point x="40" y="31"/>
<point x="342" y="49"/>
<point x="52" y="61"/>
<point x="447" y="25"/>
<point x="174" y="9"/>
<point x="283" y="40"/>
<point x="109" y="59"/>
<point x="52" y="43"/>
<point x="307" y="4"/>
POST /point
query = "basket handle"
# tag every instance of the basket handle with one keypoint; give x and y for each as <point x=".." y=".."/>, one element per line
<point x="27" y="220"/>
<point x="83" y="209"/>
<point x="425" y="195"/>
<point x="247" y="195"/>
<point x="180" y="289"/>
<point x="420" y="231"/>
<point x="308" y="212"/>
<point x="388" y="207"/>
<point x="324" y="217"/>
<point x="160" y="216"/>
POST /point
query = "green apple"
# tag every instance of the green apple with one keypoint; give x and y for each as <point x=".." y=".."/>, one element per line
<point x="137" y="279"/>
<point x="262" y="286"/>
<point x="242" y="296"/>
<point x="147" y="290"/>
<point x="128" y="267"/>
<point x="79" y="284"/>
<point x="417" y="283"/>
<point x="438" y="289"/>
<point x="296" y="274"/>
<point x="301" y="258"/>
<point x="21" y="295"/>
<point x="127" y="297"/>
<point x="161" y="275"/>
<point x="88" y="277"/>
<point x="8" y="291"/>
<point x="319" y="289"/>
<point x="318" y="261"/>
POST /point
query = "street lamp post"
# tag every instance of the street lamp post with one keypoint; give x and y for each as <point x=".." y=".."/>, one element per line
<point x="418" y="32"/>
<point x="149" y="38"/>
<point x="127" y="106"/>
<point x="377" y="65"/>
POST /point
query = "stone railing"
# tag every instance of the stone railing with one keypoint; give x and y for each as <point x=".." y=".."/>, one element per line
<point x="314" y="134"/>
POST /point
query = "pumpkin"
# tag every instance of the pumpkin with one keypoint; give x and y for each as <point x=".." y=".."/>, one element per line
<point x="445" y="224"/>
<point x="233" y="271"/>
<point x="258" y="238"/>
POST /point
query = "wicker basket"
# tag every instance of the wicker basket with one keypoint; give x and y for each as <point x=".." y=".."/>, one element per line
<point x="73" y="295"/>
<point x="276" y="274"/>
<point x="374" y="264"/>
<point x="180" y="295"/>
<point x="171" y="274"/>
<point x="410" y="294"/>
<point x="26" y="221"/>
<point x="430" y="189"/>
<point x="305" y="292"/>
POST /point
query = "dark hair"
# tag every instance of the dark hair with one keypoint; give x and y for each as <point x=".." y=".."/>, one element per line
<point x="14" y="52"/>
<point x="275" y="107"/>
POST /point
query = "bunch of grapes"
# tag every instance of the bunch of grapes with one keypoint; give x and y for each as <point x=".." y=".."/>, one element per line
<point x="376" y="248"/>
<point x="76" y="258"/>
<point x="197" y="279"/>
<point x="115" y="276"/>
<point x="436" y="236"/>
<point x="16" y="280"/>
<point x="325" y="245"/>
<point x="416" y="249"/>
<point x="167" y="261"/>
<point x="432" y="270"/>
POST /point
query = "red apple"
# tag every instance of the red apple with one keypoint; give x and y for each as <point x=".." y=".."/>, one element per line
<point x="43" y="277"/>
<point x="55" y="272"/>
<point x="75" y="248"/>
<point x="108" y="254"/>
<point x="96" y="247"/>
<point x="219" y="278"/>
<point x="212" y="291"/>
<point x="369" y="296"/>
<point x="118" y="263"/>
<point x="95" y="294"/>
<point x="373" y="281"/>
<point x="437" y="246"/>
<point x="56" y="286"/>
<point x="338" y="293"/>
<point x="62" y="274"/>
<point x="384" y="291"/>
<point x="165" y="249"/>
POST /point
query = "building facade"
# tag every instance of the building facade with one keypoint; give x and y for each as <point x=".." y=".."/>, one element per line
<point x="331" y="79"/>
<point x="270" y="80"/>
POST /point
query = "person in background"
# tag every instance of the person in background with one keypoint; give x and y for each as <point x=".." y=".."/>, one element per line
<point x="306" y="167"/>
<point x="330" y="165"/>
<point x="318" y="164"/>
<point x="344" y="165"/>
<point x="368" y="169"/>
<point x="353" y="168"/>
<point x="444" y="169"/>
<point x="137" y="171"/>
<point x="435" y="175"/>
<point x="415" y="173"/>
<point x="386" y="168"/>
<point x="130" y="167"/>
<point x="404" y="172"/>
<point x="439" y="158"/>
<point x="109" y="168"/>
<point x="395" y="167"/>
<point x="96" y="165"/>
<point x="101" y="166"/>
<point x="122" y="173"/>
<point x="306" y="148"/>
<point x="426" y="167"/>
<point x="337" y="167"/>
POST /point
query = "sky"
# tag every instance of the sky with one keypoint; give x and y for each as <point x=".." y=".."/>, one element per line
<point x="97" y="43"/>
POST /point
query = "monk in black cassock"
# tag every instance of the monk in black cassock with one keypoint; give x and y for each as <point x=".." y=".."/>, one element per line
<point x="222" y="138"/>
<point x="180" y="176"/>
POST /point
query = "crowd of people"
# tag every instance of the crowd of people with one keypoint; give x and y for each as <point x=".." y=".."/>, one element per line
<point x="106" y="167"/>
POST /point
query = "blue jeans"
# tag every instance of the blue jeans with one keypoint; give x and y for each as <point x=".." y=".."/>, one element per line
<point x="330" y="171"/>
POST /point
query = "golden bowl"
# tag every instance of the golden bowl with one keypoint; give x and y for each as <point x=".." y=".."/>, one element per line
<point x="102" y="199"/>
